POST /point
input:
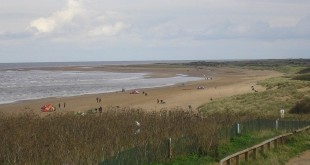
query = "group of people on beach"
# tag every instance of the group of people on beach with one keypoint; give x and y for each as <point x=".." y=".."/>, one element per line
<point x="253" y="89"/>
<point x="64" y="105"/>
<point x="98" y="99"/>
<point x="144" y="93"/>
<point x="160" y="101"/>
<point x="100" y="109"/>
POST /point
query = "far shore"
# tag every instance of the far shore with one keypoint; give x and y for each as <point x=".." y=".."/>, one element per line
<point x="225" y="82"/>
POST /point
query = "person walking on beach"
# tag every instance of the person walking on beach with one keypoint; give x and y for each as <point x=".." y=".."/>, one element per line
<point x="100" y="109"/>
<point x="59" y="105"/>
<point x="64" y="104"/>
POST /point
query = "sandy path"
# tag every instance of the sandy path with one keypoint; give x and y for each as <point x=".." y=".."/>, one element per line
<point x="302" y="159"/>
<point x="225" y="82"/>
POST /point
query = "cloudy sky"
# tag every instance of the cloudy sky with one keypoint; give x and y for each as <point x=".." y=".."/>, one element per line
<point x="122" y="30"/>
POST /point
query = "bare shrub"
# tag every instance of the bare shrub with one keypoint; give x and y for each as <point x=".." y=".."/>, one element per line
<point x="302" y="106"/>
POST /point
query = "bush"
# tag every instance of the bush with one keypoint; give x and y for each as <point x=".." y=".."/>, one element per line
<point x="302" y="107"/>
<point x="307" y="70"/>
<point x="304" y="77"/>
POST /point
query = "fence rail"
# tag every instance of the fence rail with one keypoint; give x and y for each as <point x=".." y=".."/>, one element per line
<point x="254" y="149"/>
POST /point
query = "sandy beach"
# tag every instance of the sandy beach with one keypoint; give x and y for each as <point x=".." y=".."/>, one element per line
<point x="225" y="82"/>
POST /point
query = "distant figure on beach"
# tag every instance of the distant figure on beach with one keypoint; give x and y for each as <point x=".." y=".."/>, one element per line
<point x="100" y="109"/>
<point x="64" y="104"/>
<point x="97" y="99"/>
<point x="211" y="99"/>
<point x="145" y="94"/>
<point x="59" y="105"/>
<point x="123" y="89"/>
<point x="190" y="106"/>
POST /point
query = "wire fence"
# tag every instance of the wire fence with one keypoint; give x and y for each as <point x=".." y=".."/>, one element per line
<point x="258" y="125"/>
<point x="148" y="153"/>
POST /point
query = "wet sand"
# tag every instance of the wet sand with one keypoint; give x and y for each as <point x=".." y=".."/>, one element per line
<point x="225" y="82"/>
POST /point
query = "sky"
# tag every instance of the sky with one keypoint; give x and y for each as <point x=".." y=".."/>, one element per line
<point x="135" y="30"/>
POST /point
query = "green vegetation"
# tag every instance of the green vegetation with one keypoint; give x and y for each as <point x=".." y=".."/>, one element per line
<point x="304" y="77"/>
<point x="286" y="92"/>
<point x="281" y="93"/>
<point x="304" y="71"/>
<point x="224" y="149"/>
<point x="302" y="107"/>
<point x="282" y="65"/>
<point x="243" y="141"/>
<point x="192" y="159"/>
<point x="295" y="145"/>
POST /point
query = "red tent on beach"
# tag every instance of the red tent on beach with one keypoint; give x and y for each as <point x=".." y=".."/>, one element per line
<point x="48" y="108"/>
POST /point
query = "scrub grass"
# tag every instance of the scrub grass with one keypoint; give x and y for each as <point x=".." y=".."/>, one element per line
<point x="280" y="93"/>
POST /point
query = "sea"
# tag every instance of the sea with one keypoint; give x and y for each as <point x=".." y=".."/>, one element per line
<point x="27" y="81"/>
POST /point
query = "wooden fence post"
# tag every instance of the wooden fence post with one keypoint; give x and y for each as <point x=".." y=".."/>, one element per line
<point x="262" y="149"/>
<point x="229" y="162"/>
<point x="237" y="159"/>
<point x="254" y="153"/>
<point x="246" y="156"/>
<point x="275" y="143"/>
<point x="170" y="149"/>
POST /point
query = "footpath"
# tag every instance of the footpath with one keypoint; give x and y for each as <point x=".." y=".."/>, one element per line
<point x="302" y="159"/>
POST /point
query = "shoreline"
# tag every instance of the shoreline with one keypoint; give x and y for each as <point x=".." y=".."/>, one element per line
<point x="226" y="82"/>
<point x="95" y="93"/>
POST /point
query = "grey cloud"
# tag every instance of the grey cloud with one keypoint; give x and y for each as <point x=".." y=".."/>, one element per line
<point x="255" y="31"/>
<point x="15" y="36"/>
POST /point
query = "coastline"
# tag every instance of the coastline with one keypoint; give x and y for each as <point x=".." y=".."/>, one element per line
<point x="225" y="82"/>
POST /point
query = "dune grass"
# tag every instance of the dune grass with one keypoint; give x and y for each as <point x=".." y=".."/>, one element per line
<point x="280" y="93"/>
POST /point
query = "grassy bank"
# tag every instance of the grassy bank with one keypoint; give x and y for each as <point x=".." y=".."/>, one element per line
<point x="280" y="93"/>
